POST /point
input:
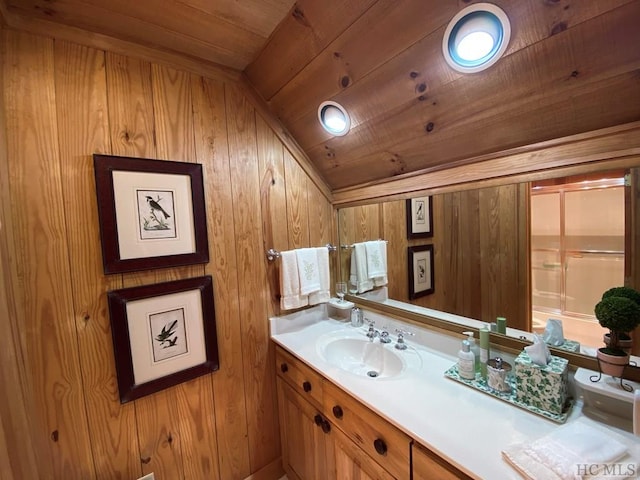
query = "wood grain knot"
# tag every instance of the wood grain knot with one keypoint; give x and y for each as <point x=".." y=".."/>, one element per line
<point x="298" y="14"/>
<point x="344" y="81"/>
<point x="336" y="55"/>
<point x="145" y="460"/>
<point x="575" y="73"/>
<point x="169" y="439"/>
<point x="422" y="98"/>
<point x="558" y="27"/>
<point x="421" y="87"/>
<point x="429" y="127"/>
<point x="85" y="316"/>
<point x="413" y="74"/>
<point x="55" y="435"/>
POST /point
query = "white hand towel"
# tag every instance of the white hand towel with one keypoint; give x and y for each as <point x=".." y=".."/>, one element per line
<point x="359" y="276"/>
<point x="564" y="453"/>
<point x="308" y="270"/>
<point x="324" y="294"/>
<point x="290" y="296"/>
<point x="377" y="262"/>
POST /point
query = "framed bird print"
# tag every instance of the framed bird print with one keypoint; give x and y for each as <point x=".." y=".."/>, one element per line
<point x="419" y="217"/>
<point x="151" y="213"/>
<point x="421" y="272"/>
<point x="163" y="334"/>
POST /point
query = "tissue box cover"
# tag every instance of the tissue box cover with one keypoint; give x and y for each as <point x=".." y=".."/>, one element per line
<point x="543" y="387"/>
<point x="569" y="346"/>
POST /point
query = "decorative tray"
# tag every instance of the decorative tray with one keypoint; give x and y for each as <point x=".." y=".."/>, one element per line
<point x="481" y="385"/>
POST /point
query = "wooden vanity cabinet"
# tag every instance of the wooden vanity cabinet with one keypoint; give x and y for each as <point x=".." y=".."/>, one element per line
<point x="329" y="435"/>
<point x="307" y="443"/>
<point x="380" y="440"/>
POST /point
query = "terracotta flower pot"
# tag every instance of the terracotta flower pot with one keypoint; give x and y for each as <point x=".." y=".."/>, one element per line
<point x="612" y="364"/>
<point x="624" y="343"/>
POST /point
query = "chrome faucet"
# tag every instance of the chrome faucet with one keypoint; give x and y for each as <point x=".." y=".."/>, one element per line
<point x="384" y="336"/>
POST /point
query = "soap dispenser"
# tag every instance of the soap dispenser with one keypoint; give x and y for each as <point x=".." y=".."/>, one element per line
<point x="466" y="362"/>
<point x="473" y="346"/>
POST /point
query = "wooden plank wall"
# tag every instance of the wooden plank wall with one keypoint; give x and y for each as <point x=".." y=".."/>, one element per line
<point x="62" y="103"/>
<point x="480" y="248"/>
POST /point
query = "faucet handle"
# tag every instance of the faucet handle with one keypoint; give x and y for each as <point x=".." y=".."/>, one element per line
<point x="371" y="323"/>
<point x="400" y="344"/>
<point x="401" y="333"/>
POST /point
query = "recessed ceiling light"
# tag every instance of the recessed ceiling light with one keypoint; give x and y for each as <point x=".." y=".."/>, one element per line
<point x="334" y="118"/>
<point x="476" y="37"/>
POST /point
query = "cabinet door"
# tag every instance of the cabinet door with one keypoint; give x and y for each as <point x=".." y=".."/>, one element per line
<point x="352" y="463"/>
<point x="307" y="449"/>
<point x="426" y="465"/>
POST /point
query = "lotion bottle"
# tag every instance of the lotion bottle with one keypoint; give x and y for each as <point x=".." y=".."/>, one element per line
<point x="473" y="346"/>
<point x="466" y="362"/>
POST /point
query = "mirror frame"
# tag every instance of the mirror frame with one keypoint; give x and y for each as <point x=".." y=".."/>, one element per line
<point x="605" y="149"/>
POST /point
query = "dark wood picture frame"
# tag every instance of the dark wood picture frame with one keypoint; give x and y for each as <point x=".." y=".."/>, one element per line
<point x="121" y="211"/>
<point x="134" y="335"/>
<point x="420" y="217"/>
<point x="421" y="271"/>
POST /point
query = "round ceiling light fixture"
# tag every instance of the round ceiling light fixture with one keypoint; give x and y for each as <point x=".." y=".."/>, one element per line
<point x="334" y="118"/>
<point x="476" y="37"/>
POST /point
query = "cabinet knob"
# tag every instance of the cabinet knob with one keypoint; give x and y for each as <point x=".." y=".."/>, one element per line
<point x="326" y="426"/>
<point x="380" y="446"/>
<point x="306" y="386"/>
<point x="284" y="368"/>
<point x="318" y="419"/>
<point x="337" y="411"/>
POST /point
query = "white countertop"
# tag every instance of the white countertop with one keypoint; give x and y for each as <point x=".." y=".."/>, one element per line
<point x="466" y="427"/>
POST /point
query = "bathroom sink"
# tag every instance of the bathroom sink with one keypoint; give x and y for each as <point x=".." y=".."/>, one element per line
<point x="360" y="356"/>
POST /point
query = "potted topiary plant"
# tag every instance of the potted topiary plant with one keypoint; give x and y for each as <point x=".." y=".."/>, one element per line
<point x="618" y="311"/>
<point x="624" y="340"/>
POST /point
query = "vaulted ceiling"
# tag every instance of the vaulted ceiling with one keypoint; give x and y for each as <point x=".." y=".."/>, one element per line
<point x="571" y="66"/>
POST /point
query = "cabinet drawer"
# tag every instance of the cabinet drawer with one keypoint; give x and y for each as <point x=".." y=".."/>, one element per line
<point x="427" y="465"/>
<point x="302" y="378"/>
<point x="382" y="441"/>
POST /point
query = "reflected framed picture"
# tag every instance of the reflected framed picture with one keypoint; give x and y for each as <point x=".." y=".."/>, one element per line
<point x="419" y="217"/>
<point x="163" y="335"/>
<point x="151" y="213"/>
<point x="421" y="277"/>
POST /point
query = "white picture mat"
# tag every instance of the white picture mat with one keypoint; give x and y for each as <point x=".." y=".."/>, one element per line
<point x="138" y="312"/>
<point x="125" y="187"/>
<point x="420" y="215"/>
<point x="422" y="281"/>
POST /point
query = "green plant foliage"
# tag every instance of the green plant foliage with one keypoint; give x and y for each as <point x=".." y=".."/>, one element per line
<point x="619" y="315"/>
<point x="626" y="292"/>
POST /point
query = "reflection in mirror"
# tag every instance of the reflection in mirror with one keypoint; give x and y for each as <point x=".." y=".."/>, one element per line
<point x="528" y="251"/>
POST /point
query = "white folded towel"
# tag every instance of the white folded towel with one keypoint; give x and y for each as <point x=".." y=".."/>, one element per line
<point x="377" y="261"/>
<point x="324" y="294"/>
<point x="290" y="296"/>
<point x="359" y="276"/>
<point x="579" y="450"/>
<point x="308" y="270"/>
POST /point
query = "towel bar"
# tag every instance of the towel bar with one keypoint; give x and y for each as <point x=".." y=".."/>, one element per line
<point x="346" y="247"/>
<point x="273" y="254"/>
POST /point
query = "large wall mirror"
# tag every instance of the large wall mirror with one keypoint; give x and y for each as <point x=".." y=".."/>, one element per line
<point x="530" y="250"/>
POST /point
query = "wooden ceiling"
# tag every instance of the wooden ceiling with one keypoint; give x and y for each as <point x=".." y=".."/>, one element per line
<point x="227" y="32"/>
<point x="571" y="66"/>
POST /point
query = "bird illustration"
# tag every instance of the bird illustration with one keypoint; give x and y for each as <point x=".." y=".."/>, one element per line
<point x="166" y="333"/>
<point x="156" y="206"/>
<point x="172" y="343"/>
